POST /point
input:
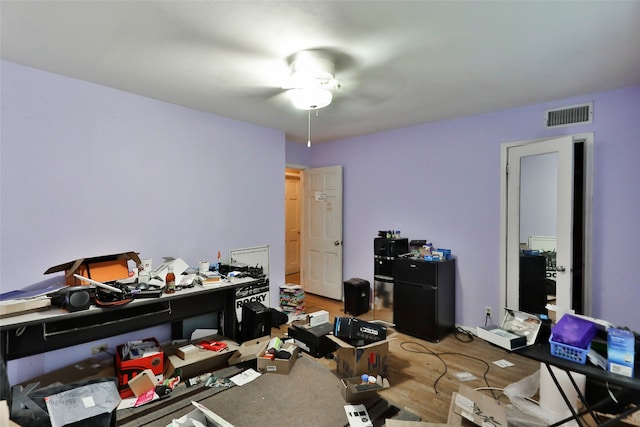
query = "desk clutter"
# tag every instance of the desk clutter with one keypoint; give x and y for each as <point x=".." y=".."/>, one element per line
<point x="146" y="373"/>
<point x="575" y="338"/>
<point x="111" y="281"/>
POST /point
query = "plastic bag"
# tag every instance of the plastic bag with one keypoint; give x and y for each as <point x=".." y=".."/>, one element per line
<point x="523" y="412"/>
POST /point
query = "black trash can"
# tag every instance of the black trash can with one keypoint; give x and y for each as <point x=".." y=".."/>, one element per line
<point x="357" y="294"/>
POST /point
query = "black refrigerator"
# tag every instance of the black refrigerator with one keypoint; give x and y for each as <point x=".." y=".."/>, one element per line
<point x="424" y="297"/>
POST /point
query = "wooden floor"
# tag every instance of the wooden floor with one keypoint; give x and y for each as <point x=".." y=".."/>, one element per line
<point x="422" y="373"/>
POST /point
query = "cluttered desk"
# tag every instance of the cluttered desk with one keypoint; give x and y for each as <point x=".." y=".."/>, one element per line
<point x="78" y="318"/>
<point x="570" y="353"/>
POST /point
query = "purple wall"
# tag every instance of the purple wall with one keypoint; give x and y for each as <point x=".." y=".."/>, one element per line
<point x="441" y="182"/>
<point x="297" y="155"/>
<point x="88" y="170"/>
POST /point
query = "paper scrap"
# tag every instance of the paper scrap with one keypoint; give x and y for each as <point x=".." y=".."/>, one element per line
<point x="503" y="363"/>
<point x="466" y="376"/>
<point x="245" y="377"/>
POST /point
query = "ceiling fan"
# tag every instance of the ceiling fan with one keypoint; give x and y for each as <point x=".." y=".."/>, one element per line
<point x="311" y="81"/>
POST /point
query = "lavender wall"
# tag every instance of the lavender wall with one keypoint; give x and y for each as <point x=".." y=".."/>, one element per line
<point x="297" y="155"/>
<point x="88" y="170"/>
<point x="441" y="182"/>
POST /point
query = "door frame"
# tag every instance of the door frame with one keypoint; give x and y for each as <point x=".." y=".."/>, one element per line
<point x="293" y="174"/>
<point x="588" y="141"/>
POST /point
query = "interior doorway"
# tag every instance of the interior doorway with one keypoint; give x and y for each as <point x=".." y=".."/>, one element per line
<point x="292" y="208"/>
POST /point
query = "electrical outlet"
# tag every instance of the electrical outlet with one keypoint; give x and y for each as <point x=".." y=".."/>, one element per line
<point x="99" y="348"/>
<point x="487" y="311"/>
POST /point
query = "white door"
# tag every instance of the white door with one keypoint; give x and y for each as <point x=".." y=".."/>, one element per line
<point x="292" y="196"/>
<point x="519" y="194"/>
<point x="321" y="267"/>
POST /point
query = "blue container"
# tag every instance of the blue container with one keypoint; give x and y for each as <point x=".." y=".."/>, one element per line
<point x="565" y="351"/>
<point x="574" y="331"/>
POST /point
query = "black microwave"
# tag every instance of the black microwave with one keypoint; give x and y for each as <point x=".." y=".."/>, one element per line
<point x="390" y="248"/>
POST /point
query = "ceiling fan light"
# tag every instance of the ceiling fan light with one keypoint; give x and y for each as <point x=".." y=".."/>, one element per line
<point x="310" y="98"/>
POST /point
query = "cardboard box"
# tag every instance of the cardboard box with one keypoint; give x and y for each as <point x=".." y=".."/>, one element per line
<point x="187" y="352"/>
<point x="468" y="405"/>
<point x="351" y="390"/>
<point x="105" y="268"/>
<point x="22" y="306"/>
<point x="143" y="382"/>
<point x="128" y="369"/>
<point x="351" y="361"/>
<point x="318" y="318"/>
<point x="249" y="350"/>
<point x="4" y="415"/>
<point x="278" y="366"/>
<point x="518" y="329"/>
<point x="620" y="351"/>
<point x="631" y="421"/>
<point x="199" y="361"/>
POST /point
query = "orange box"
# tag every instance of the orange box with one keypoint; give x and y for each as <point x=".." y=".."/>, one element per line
<point x="128" y="369"/>
<point x="105" y="268"/>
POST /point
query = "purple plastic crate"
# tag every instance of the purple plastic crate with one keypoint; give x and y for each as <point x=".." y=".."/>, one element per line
<point x="574" y="331"/>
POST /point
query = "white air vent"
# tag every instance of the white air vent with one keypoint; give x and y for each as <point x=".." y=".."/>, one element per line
<point x="568" y="116"/>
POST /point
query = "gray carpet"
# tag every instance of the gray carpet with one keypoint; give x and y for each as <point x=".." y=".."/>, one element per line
<point x="309" y="396"/>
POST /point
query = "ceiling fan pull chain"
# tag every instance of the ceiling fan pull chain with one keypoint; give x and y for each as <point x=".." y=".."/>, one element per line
<point x="309" y="129"/>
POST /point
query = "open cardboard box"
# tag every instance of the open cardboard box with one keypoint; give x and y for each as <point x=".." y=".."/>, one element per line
<point x="105" y="268"/>
<point x="278" y="366"/>
<point x="249" y="350"/>
<point x="372" y="359"/>
<point x="470" y="406"/>
<point x="518" y="329"/>
<point x="143" y="382"/>
<point x="199" y="360"/>
<point x="352" y="394"/>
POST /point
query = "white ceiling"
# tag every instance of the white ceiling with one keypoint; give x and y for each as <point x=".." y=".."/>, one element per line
<point x="400" y="63"/>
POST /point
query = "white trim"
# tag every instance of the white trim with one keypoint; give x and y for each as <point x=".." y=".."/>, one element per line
<point x="588" y="139"/>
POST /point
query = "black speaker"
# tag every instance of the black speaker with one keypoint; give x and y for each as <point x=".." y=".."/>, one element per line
<point x="256" y="321"/>
<point x="75" y="298"/>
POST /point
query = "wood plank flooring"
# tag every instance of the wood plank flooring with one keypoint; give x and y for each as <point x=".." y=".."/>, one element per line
<point x="422" y="373"/>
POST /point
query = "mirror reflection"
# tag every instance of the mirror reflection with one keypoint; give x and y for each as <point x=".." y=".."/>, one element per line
<point x="538" y="207"/>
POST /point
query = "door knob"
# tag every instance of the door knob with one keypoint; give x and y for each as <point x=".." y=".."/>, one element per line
<point x="336" y="243"/>
<point x="560" y="268"/>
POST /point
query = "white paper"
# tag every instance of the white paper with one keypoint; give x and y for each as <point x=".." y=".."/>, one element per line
<point x="503" y="363"/>
<point x="466" y="376"/>
<point x="245" y="377"/>
<point x="201" y="333"/>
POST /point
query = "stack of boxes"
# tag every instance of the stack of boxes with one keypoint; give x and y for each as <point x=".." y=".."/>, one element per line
<point x="292" y="299"/>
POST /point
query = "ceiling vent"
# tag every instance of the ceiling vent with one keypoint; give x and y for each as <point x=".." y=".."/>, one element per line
<point x="569" y="116"/>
